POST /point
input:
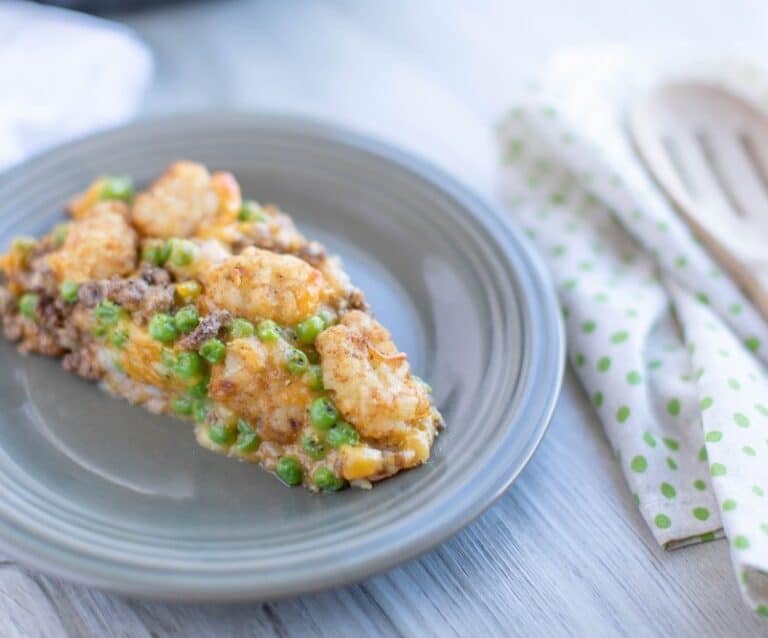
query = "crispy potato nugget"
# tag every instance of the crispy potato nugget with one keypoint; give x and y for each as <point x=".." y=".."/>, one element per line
<point x="176" y="204"/>
<point x="98" y="246"/>
<point x="370" y="380"/>
<point x="90" y="203"/>
<point x="254" y="382"/>
<point x="80" y="204"/>
<point x="258" y="284"/>
<point x="106" y="206"/>
<point x="228" y="191"/>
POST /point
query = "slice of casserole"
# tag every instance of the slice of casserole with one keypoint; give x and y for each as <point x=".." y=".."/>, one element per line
<point x="189" y="301"/>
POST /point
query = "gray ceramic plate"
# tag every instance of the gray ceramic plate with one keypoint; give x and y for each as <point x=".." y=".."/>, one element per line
<point x="102" y="493"/>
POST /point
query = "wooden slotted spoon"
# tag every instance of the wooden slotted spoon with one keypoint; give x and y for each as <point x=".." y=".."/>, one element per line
<point x="708" y="149"/>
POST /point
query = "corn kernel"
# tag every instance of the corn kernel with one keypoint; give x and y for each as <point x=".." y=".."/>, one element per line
<point x="418" y="443"/>
<point x="360" y="462"/>
<point x="228" y="190"/>
<point x="188" y="291"/>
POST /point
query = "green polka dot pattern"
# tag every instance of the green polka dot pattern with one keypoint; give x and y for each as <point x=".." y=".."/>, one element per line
<point x="668" y="349"/>
<point x="639" y="464"/>
<point x="603" y="364"/>
<point x="702" y="513"/>
<point x="634" y="378"/>
<point x="673" y="407"/>
<point x="668" y="490"/>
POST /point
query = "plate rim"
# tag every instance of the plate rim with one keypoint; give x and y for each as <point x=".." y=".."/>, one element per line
<point x="537" y="284"/>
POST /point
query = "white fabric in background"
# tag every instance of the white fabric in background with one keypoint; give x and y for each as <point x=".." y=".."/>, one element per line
<point x="63" y="74"/>
<point x="670" y="351"/>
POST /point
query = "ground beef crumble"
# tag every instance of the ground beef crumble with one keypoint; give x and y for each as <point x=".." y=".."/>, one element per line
<point x="356" y="301"/>
<point x="91" y="293"/>
<point x="139" y="297"/>
<point x="42" y="342"/>
<point x="52" y="313"/>
<point x="313" y="253"/>
<point x="13" y="327"/>
<point x="155" y="275"/>
<point x="40" y="278"/>
<point x="44" y="334"/>
<point x="208" y="328"/>
<point x="6" y="301"/>
<point x="52" y="332"/>
<point x="83" y="362"/>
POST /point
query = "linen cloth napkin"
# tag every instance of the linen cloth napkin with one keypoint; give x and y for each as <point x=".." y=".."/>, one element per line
<point x="63" y="74"/>
<point x="671" y="353"/>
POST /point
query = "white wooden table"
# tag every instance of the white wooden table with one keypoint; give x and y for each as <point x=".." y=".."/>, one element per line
<point x="565" y="551"/>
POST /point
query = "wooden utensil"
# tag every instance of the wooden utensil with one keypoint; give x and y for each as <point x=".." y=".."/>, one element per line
<point x="708" y="150"/>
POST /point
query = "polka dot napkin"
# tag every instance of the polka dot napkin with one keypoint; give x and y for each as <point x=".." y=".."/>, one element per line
<point x="671" y="353"/>
<point x="50" y="60"/>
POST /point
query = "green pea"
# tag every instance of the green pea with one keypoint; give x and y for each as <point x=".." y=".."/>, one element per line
<point x="243" y="427"/>
<point x="156" y="254"/>
<point x="165" y="251"/>
<point x="24" y="246"/>
<point x="188" y="365"/>
<point x="315" y="377"/>
<point x="151" y="254"/>
<point x="168" y="358"/>
<point x="107" y="313"/>
<point x="323" y="413"/>
<point x="213" y="350"/>
<point x="59" y="234"/>
<point x="69" y="291"/>
<point x="99" y="331"/>
<point x="241" y="329"/>
<point x="342" y="434"/>
<point x="289" y="470"/>
<point x="296" y="361"/>
<point x="248" y="441"/>
<point x="183" y="406"/>
<point x="313" y="446"/>
<point x="222" y="434"/>
<point x="182" y="252"/>
<point x="200" y="409"/>
<point x="27" y="304"/>
<point x="199" y="390"/>
<point x="186" y="319"/>
<point x="250" y="211"/>
<point x="307" y="330"/>
<point x="119" y="337"/>
<point x="117" y="188"/>
<point x="325" y="479"/>
<point x="268" y="330"/>
<point x="162" y="328"/>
